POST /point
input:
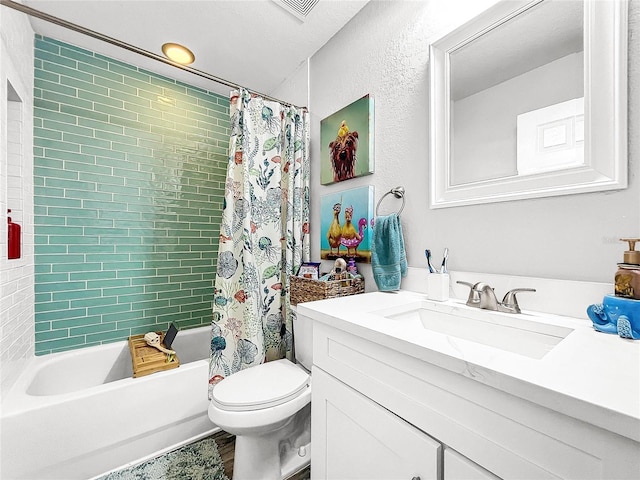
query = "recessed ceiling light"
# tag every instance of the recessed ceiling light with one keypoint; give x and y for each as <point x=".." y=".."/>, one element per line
<point x="178" y="53"/>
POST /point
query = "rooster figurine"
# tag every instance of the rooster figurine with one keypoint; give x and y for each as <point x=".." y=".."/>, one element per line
<point x="335" y="231"/>
<point x="351" y="237"/>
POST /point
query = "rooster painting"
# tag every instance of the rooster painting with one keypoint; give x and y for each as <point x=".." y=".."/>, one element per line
<point x="344" y="224"/>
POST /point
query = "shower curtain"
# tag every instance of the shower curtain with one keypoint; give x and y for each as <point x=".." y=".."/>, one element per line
<point x="263" y="235"/>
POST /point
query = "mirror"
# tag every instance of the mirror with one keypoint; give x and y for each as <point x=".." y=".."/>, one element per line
<point x="529" y="100"/>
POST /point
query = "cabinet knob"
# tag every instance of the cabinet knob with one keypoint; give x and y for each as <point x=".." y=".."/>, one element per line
<point x="415" y="478"/>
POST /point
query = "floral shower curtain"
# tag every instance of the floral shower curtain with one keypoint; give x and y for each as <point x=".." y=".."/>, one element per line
<point x="263" y="235"/>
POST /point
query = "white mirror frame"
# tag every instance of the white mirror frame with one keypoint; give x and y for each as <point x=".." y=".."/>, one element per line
<point x="605" y="88"/>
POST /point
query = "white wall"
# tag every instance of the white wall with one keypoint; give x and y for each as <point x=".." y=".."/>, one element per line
<point x="295" y="89"/>
<point x="16" y="170"/>
<point x="384" y="51"/>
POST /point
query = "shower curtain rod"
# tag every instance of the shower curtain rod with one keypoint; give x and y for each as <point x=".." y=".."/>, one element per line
<point x="132" y="48"/>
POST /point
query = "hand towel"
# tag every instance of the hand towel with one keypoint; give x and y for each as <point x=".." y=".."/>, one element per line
<point x="388" y="258"/>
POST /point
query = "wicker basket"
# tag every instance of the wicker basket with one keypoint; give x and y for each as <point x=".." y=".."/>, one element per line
<point x="307" y="290"/>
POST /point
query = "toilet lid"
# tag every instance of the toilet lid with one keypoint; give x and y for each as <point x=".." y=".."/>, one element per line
<point x="262" y="386"/>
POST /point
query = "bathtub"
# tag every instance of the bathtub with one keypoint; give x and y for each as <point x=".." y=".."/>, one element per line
<point x="79" y="414"/>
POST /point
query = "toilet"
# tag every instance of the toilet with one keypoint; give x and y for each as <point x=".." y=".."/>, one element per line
<point x="268" y="409"/>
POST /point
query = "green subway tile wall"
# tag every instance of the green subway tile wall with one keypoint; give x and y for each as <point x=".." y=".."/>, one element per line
<point x="129" y="183"/>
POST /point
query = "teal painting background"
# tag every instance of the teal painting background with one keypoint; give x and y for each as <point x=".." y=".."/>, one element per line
<point x="359" y="118"/>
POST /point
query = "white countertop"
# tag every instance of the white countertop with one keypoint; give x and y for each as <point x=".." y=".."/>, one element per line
<point x="591" y="376"/>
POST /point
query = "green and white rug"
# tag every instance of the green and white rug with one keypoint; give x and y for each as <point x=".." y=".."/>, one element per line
<point x="197" y="461"/>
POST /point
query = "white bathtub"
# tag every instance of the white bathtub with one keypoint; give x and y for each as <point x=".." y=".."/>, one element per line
<point x="79" y="414"/>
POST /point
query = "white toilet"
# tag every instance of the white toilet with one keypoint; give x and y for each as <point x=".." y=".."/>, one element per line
<point x="268" y="408"/>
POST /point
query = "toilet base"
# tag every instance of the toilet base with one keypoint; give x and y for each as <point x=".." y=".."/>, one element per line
<point x="277" y="455"/>
<point x="256" y="458"/>
<point x="295" y="462"/>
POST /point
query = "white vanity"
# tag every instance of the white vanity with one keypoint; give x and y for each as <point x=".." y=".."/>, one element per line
<point x="407" y="388"/>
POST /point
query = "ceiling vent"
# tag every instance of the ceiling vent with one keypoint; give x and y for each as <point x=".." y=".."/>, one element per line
<point x="299" y="8"/>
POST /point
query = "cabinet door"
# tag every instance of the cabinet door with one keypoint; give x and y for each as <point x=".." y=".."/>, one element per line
<point x="457" y="467"/>
<point x="355" y="438"/>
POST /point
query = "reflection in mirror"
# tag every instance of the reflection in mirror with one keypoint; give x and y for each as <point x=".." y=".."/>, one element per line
<point x="510" y="89"/>
<point x="489" y="76"/>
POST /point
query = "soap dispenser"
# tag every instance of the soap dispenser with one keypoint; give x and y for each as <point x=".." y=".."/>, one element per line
<point x="627" y="278"/>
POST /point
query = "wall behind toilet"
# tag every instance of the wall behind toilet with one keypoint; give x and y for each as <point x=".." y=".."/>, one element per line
<point x="129" y="184"/>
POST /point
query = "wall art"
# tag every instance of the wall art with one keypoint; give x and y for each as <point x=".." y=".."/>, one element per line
<point x="346" y="142"/>
<point x="346" y="222"/>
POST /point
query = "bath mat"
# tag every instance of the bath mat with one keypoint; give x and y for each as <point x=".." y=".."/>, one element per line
<point x="197" y="461"/>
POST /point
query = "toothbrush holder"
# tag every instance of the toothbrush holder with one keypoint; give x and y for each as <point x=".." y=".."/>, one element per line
<point x="438" y="286"/>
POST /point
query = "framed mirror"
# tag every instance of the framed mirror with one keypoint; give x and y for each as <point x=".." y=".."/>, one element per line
<point x="529" y="99"/>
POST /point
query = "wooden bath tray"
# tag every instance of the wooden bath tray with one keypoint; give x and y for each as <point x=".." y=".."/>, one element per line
<point x="146" y="359"/>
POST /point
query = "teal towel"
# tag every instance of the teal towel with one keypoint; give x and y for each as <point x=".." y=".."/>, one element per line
<point x="388" y="258"/>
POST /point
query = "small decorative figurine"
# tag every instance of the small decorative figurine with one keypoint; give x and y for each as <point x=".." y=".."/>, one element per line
<point x="339" y="271"/>
<point x="616" y="315"/>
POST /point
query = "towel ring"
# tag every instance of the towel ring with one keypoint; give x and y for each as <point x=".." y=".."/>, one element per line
<point x="397" y="192"/>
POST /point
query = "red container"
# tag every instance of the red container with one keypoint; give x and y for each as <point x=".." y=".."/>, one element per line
<point x="14" y="240"/>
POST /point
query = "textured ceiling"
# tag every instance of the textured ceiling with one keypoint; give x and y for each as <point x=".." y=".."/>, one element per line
<point x="254" y="43"/>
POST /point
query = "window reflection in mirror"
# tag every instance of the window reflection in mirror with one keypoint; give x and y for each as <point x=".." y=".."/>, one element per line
<point x="516" y="96"/>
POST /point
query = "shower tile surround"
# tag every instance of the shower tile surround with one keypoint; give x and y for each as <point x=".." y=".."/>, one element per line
<point x="16" y="161"/>
<point x="129" y="173"/>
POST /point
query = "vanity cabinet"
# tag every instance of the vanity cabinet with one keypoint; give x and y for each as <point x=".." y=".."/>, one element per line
<point x="364" y="440"/>
<point x="378" y="412"/>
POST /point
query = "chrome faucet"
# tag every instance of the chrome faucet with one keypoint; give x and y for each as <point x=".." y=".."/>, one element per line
<point x="488" y="300"/>
<point x="481" y="295"/>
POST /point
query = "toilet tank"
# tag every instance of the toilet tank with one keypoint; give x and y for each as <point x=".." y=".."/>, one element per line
<point x="303" y="339"/>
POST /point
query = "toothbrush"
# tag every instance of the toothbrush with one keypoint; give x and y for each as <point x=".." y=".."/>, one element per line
<point x="427" y="253"/>
<point x="445" y="258"/>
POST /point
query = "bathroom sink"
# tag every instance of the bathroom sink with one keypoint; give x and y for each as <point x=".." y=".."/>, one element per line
<point x="508" y="332"/>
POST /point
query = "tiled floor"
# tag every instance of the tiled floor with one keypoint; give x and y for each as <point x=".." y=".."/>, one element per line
<point x="226" y="445"/>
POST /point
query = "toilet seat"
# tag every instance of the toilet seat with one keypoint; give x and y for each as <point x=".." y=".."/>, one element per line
<point x="263" y="386"/>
